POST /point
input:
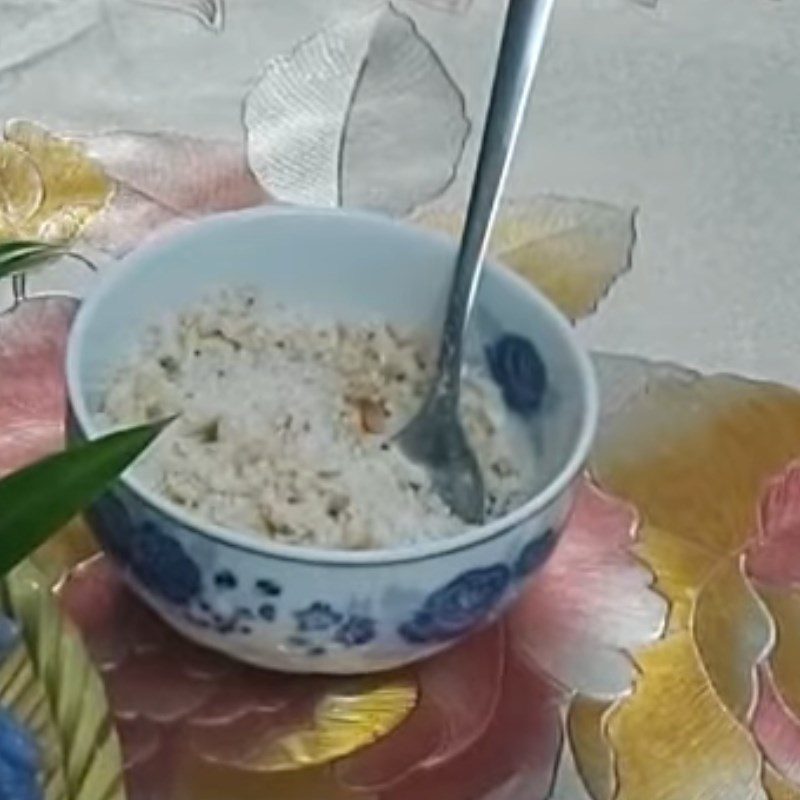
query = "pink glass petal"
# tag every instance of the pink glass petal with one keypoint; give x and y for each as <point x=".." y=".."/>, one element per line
<point x="128" y="221"/>
<point x="592" y="602"/>
<point x="140" y="739"/>
<point x="459" y="692"/>
<point x="164" y="179"/>
<point x="777" y="729"/>
<point x="396" y="756"/>
<point x="524" y="737"/>
<point x="154" y="687"/>
<point x="205" y="665"/>
<point x="247" y="691"/>
<point x="196" y="703"/>
<point x="32" y="392"/>
<point x="251" y="709"/>
<point x="466" y="683"/>
<point x="94" y="597"/>
<point x="186" y="175"/>
<point x="242" y="742"/>
<point x="155" y="778"/>
<point x="146" y="632"/>
<point x="775" y="558"/>
<point x="134" y="646"/>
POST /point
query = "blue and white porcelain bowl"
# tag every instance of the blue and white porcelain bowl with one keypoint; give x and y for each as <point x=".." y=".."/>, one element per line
<point x="313" y="610"/>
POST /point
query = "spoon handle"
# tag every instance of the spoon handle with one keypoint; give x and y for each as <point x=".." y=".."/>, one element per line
<point x="523" y="39"/>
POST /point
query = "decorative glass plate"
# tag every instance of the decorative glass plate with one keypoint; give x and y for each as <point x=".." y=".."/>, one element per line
<point x="657" y="656"/>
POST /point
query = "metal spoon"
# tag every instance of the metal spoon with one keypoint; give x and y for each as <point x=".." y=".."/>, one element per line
<point x="435" y="436"/>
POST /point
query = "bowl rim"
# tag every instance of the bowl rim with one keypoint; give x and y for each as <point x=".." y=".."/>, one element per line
<point x="549" y="495"/>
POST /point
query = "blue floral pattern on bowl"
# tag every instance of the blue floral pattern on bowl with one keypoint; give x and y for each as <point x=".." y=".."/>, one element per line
<point x="225" y="580"/>
<point x="320" y="626"/>
<point x="154" y="558"/>
<point x="535" y="553"/>
<point x="268" y="587"/>
<point x="220" y="596"/>
<point x="110" y="521"/>
<point x="317" y="617"/>
<point x="459" y="606"/>
<point x="161" y="564"/>
<point x="355" y="631"/>
<point x="519" y="371"/>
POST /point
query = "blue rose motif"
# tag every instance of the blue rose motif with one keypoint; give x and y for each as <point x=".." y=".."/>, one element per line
<point x="356" y="630"/>
<point x="19" y="761"/>
<point x="458" y="607"/>
<point x="519" y="371"/>
<point x="317" y="617"/>
<point x="267" y="612"/>
<point x="225" y="580"/>
<point x="535" y="553"/>
<point x="268" y="587"/>
<point x="110" y="521"/>
<point x="155" y="559"/>
<point x="162" y="565"/>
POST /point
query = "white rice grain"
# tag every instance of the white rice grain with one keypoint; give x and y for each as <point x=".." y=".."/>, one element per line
<point x="285" y="425"/>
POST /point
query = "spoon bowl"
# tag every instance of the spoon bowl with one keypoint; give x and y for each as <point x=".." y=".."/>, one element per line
<point x="436" y="438"/>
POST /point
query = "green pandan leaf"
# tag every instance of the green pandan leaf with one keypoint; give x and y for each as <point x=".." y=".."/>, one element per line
<point x="90" y="765"/>
<point x="18" y="255"/>
<point x="36" y="501"/>
<point x="23" y="695"/>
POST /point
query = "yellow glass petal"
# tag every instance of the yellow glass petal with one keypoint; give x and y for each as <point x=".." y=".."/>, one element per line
<point x="577" y="265"/>
<point x="692" y="455"/>
<point x="7" y="230"/>
<point x="21" y="187"/>
<point x="71" y="546"/>
<point x="778" y="788"/>
<point x="92" y="756"/>
<point x="22" y="693"/>
<point x="621" y="378"/>
<point x="674" y="739"/>
<point x="590" y="748"/>
<point x="64" y="224"/>
<point x="567" y="784"/>
<point x="75" y="188"/>
<point x="681" y="567"/>
<point x="785" y="659"/>
<point x="344" y="721"/>
<point x="732" y="633"/>
<point x="571" y="249"/>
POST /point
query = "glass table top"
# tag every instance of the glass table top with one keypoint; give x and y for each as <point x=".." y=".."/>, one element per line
<point x="656" y="655"/>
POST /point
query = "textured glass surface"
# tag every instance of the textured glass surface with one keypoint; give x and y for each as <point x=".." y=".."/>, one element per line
<point x="653" y="198"/>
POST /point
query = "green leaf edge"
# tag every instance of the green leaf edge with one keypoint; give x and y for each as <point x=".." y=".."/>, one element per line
<point x="38" y="500"/>
<point x="92" y="763"/>
<point x="19" y="255"/>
